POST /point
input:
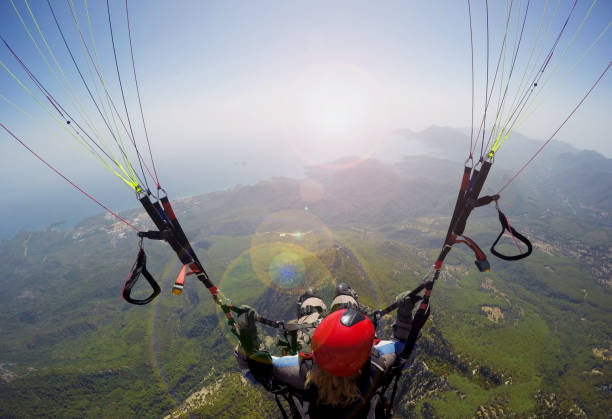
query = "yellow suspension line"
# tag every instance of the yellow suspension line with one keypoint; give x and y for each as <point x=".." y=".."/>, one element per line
<point x="131" y="182"/>
<point x="70" y="94"/>
<point x="84" y="114"/>
<point x="525" y="112"/>
<point x="71" y="144"/>
<point x="531" y="103"/>
<point x="98" y="65"/>
<point x="98" y="72"/>
<point x="520" y="89"/>
<point x="503" y="65"/>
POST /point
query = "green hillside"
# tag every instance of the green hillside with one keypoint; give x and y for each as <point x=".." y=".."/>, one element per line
<point x="528" y="338"/>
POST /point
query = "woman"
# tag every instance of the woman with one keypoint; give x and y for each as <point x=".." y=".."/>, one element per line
<point x="347" y="372"/>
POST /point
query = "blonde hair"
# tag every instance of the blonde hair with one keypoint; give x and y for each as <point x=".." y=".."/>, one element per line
<point x="332" y="390"/>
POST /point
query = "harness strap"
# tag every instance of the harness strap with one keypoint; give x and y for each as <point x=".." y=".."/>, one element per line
<point x="396" y="372"/>
<point x="389" y="408"/>
<point x="140" y="267"/>
<point x="471" y="196"/>
<point x="465" y="181"/>
<point x="280" y="405"/>
<point x="486" y="200"/>
<point x="162" y="226"/>
<point x="481" y="259"/>
<point x="181" y="238"/>
<point x="179" y="284"/>
<point x="286" y="393"/>
<point x="515" y="234"/>
<point x="417" y="324"/>
<point x="467" y="199"/>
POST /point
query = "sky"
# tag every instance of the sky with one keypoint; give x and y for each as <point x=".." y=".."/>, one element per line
<point x="235" y="92"/>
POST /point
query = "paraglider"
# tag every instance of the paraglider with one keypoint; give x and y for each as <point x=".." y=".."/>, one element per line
<point x="344" y="343"/>
<point x="348" y="370"/>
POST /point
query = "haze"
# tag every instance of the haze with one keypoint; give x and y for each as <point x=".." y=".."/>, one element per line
<point x="235" y="92"/>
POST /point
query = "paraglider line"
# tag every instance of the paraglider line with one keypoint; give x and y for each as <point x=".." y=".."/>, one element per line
<point x="88" y="90"/>
<point x="556" y="131"/>
<point x="516" y="51"/>
<point x="138" y="95"/>
<point x="558" y="37"/>
<point x="495" y="74"/>
<point x="534" y="83"/>
<point x="513" y="238"/>
<point x="486" y="86"/>
<point x="66" y="179"/>
<point x="509" y="228"/>
<point x="110" y="25"/>
<point x="472" y="51"/>
<point x="105" y="89"/>
<point x="53" y="101"/>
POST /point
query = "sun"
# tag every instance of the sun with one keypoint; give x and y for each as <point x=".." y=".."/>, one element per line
<point x="333" y="108"/>
<point x="331" y="111"/>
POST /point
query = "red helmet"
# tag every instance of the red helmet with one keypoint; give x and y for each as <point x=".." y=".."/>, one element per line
<point x="342" y="343"/>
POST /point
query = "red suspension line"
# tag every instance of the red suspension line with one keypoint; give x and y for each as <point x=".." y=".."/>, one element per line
<point x="556" y="131"/>
<point x="66" y="179"/>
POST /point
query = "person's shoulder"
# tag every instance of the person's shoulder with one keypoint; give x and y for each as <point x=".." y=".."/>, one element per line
<point x="385" y="354"/>
<point x="285" y="361"/>
<point x="290" y="370"/>
<point x="385" y="347"/>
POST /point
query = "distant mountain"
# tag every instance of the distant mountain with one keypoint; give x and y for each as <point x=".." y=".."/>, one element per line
<point x="577" y="179"/>
<point x="453" y="144"/>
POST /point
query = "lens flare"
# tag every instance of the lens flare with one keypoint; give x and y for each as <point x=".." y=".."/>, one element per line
<point x="292" y="248"/>
<point x="287" y="270"/>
